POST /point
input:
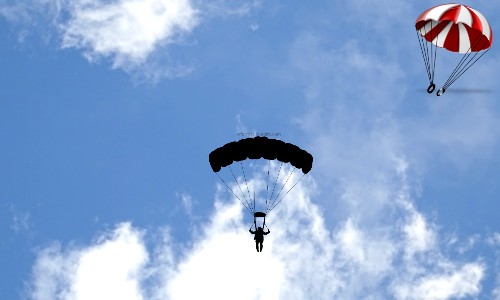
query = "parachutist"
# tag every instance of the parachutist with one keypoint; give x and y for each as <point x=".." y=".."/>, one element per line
<point x="266" y="151"/>
<point x="259" y="237"/>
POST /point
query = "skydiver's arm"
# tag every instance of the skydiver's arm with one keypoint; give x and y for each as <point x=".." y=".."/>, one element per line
<point x="268" y="231"/>
<point x="252" y="232"/>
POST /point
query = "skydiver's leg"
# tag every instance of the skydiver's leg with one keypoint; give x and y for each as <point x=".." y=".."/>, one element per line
<point x="257" y="246"/>
<point x="261" y="246"/>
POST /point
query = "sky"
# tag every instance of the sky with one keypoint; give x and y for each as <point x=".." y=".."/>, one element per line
<point x="109" y="109"/>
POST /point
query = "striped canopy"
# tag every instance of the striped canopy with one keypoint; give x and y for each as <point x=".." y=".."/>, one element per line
<point x="456" y="27"/>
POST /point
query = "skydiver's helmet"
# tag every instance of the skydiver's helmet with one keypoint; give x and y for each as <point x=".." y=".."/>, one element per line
<point x="260" y="229"/>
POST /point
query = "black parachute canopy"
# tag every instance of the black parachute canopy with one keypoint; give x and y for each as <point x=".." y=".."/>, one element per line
<point x="260" y="147"/>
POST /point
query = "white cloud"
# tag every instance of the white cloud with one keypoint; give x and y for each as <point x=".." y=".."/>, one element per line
<point x="419" y="237"/>
<point x="136" y="36"/>
<point x="187" y="203"/>
<point x="109" y="269"/>
<point x="13" y="12"/>
<point x="372" y="154"/>
<point x="128" y="31"/>
<point x="21" y="221"/>
<point x="361" y="90"/>
<point x="380" y="246"/>
<point x="240" y="126"/>
<point x="302" y="258"/>
<point x="224" y="264"/>
<point x="225" y="8"/>
<point x="454" y="284"/>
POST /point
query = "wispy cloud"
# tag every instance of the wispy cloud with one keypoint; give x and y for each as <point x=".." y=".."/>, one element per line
<point x="225" y="8"/>
<point x="21" y="221"/>
<point x="372" y="154"/>
<point x="362" y="108"/>
<point x="187" y="202"/>
<point x="378" y="245"/>
<point x="453" y="283"/>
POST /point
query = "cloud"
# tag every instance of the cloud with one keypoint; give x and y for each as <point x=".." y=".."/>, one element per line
<point x="21" y="221"/>
<point x="187" y="202"/>
<point x="362" y="87"/>
<point x="302" y="258"/>
<point x="127" y="31"/>
<point x="108" y="269"/>
<point x="419" y="237"/>
<point x="373" y="148"/>
<point x="387" y="12"/>
<point x="225" y="8"/>
<point x="254" y="26"/>
<point x="376" y="245"/>
<point x="137" y="36"/>
<point x="494" y="239"/>
<point x="452" y="284"/>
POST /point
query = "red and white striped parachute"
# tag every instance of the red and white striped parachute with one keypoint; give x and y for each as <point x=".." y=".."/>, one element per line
<point x="457" y="28"/>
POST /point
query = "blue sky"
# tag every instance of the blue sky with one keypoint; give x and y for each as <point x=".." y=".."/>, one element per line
<point x="109" y="109"/>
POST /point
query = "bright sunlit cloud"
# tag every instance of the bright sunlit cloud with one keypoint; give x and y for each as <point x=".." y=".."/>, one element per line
<point x="134" y="35"/>
<point x="302" y="258"/>
<point x="111" y="268"/>
<point x="128" y="31"/>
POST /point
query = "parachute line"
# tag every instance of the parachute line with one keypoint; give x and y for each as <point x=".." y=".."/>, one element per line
<point x="276" y="181"/>
<point x="429" y="55"/>
<point x="461" y="62"/>
<point x="462" y="72"/>
<point x="233" y="192"/>
<point x="253" y="200"/>
<point x="424" y="55"/>
<point x="463" y="66"/>
<point x="267" y="184"/>
<point x="435" y="53"/>
<point x="268" y="211"/>
<point x="245" y="151"/>
<point x="246" y="182"/>
<point x="236" y="180"/>
<point x="277" y="196"/>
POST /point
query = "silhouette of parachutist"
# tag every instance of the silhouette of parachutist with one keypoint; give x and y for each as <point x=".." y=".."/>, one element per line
<point x="259" y="237"/>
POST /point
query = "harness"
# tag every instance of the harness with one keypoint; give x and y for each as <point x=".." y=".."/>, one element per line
<point x="254" y="225"/>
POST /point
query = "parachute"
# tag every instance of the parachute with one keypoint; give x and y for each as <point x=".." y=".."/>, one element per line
<point x="457" y="28"/>
<point x="236" y="157"/>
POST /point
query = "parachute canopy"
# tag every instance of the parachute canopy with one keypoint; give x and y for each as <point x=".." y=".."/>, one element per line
<point x="456" y="27"/>
<point x="260" y="147"/>
<point x="260" y="151"/>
